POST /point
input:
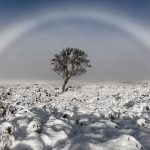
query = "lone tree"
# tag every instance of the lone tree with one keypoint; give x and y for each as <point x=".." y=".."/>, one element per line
<point x="70" y="62"/>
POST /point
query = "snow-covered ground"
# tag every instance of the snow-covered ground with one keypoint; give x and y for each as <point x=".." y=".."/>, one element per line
<point x="97" y="116"/>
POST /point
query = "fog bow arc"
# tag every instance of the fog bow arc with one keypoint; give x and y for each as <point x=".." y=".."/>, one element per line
<point x="16" y="31"/>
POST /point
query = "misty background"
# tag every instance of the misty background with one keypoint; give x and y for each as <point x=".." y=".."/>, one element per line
<point x="114" y="53"/>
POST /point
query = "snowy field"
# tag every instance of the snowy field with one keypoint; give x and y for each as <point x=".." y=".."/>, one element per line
<point x="95" y="116"/>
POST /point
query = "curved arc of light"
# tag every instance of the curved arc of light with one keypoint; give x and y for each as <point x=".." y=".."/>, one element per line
<point x="18" y="30"/>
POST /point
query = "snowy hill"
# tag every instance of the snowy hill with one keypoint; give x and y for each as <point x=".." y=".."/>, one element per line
<point x="102" y="116"/>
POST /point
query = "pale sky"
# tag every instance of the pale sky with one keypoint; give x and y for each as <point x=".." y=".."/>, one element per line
<point x="115" y="34"/>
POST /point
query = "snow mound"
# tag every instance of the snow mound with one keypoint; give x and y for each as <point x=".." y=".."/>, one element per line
<point x="88" y="142"/>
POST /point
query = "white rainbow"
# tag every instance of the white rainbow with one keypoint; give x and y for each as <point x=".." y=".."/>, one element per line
<point x="16" y="31"/>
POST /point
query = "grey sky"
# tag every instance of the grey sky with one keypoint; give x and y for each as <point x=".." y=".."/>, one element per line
<point x="115" y="51"/>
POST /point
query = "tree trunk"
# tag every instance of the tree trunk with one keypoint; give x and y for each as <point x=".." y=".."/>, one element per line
<point x="64" y="85"/>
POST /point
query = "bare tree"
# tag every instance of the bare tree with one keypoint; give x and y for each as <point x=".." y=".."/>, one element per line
<point x="70" y="62"/>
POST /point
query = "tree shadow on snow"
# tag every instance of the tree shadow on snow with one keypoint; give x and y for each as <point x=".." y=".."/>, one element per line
<point x="87" y="129"/>
<point x="141" y="133"/>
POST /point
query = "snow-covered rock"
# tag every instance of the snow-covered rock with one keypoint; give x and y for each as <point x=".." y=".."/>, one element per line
<point x="142" y="122"/>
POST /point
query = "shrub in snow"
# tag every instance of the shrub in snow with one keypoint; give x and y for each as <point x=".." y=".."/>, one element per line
<point x="6" y="139"/>
<point x="114" y="116"/>
<point x="147" y="108"/>
<point x="3" y="110"/>
<point x="83" y="121"/>
<point x="69" y="88"/>
<point x="65" y="116"/>
<point x="129" y="104"/>
<point x="117" y="96"/>
<point x="12" y="109"/>
<point x="8" y="127"/>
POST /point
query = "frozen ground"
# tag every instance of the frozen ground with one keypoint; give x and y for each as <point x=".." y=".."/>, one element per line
<point x="101" y="116"/>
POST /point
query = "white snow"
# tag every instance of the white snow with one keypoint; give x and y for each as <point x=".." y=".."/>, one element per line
<point x="114" y="116"/>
